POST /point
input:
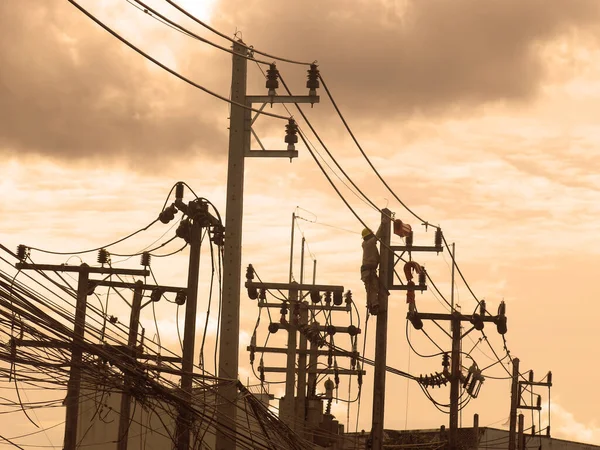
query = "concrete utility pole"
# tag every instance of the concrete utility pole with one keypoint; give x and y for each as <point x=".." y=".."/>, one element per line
<point x="474" y="379"/>
<point x="521" y="433"/>
<point x="230" y="312"/>
<point x="514" y="403"/>
<point x="517" y="388"/>
<point x="455" y="376"/>
<point x="302" y="347"/>
<point x="74" y="384"/>
<point x="289" y="412"/>
<point x="134" y="321"/>
<point x="240" y="131"/>
<point x="381" y="334"/>
<point x="293" y="407"/>
<point x="184" y="420"/>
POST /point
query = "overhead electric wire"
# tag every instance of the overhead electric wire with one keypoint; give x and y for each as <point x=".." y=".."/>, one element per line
<point x="168" y="69"/>
<point x="107" y="355"/>
<point x="224" y="36"/>
<point x="166" y="21"/>
<point x="301" y="134"/>
<point x="349" y="130"/>
<point x="94" y="249"/>
<point x="333" y="102"/>
<point x="416" y="352"/>
<point x="312" y="129"/>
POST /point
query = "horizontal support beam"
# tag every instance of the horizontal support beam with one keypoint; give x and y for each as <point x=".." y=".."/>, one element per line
<point x="462" y="317"/>
<point x="271" y="153"/>
<point x="65" y="268"/>
<point x="535" y="383"/>
<point x="283" y="98"/>
<point x="40" y="344"/>
<point x="403" y="287"/>
<point x="173" y="359"/>
<point x="295" y="286"/>
<point x="312" y="307"/>
<point x="149" y="287"/>
<point x="322" y="328"/>
<point x="301" y="352"/>
<point x="321" y="372"/>
<point x="177" y="372"/>
<point x="415" y="248"/>
<point x="534" y="408"/>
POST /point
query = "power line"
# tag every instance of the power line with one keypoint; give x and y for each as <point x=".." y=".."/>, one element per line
<point x="224" y="36"/>
<point x="168" y="69"/>
<point x="366" y="157"/>
<point x="366" y="199"/>
<point x="168" y="22"/>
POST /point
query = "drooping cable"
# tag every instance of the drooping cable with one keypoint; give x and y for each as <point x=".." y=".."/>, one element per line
<point x="224" y="36"/>
<point x="163" y="19"/>
<point x="168" y="69"/>
<point x="333" y="102"/>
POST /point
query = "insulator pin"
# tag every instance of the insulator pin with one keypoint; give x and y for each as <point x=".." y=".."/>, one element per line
<point x="103" y="256"/>
<point x="313" y="80"/>
<point x="438" y="237"/>
<point x="22" y="252"/>
<point x="291" y="134"/>
<point x="272" y="79"/>
<point x="145" y="259"/>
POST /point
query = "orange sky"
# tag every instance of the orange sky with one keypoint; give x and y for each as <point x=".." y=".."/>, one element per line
<point x="480" y="115"/>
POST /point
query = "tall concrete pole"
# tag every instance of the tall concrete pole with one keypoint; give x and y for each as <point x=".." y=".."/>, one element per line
<point x="514" y="404"/>
<point x="189" y="337"/>
<point x="454" y="379"/>
<point x="134" y="321"/>
<point x="303" y="344"/>
<point x="381" y="333"/>
<point x="230" y="312"/>
<point x="289" y="410"/>
<point x="74" y="385"/>
<point x="521" y="433"/>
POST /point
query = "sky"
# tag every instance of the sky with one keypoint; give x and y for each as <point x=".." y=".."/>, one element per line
<point x="481" y="117"/>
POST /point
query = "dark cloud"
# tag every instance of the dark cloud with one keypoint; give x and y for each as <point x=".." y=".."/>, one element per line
<point x="70" y="91"/>
<point x="433" y="56"/>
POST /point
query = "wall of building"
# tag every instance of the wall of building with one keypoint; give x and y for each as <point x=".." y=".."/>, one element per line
<point x="152" y="426"/>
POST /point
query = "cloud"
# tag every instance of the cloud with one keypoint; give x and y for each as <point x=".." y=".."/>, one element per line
<point x="566" y="426"/>
<point x="434" y="57"/>
<point x="71" y="92"/>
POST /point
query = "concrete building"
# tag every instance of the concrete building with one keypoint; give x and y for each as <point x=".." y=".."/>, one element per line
<point x="482" y="438"/>
<point x="152" y="423"/>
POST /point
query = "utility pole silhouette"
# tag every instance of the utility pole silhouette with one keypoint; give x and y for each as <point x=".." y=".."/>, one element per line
<point x="240" y="132"/>
<point x="76" y="347"/>
<point x="298" y="409"/>
<point x="473" y="380"/>
<point x="517" y="388"/>
<point x="190" y="229"/>
<point x="381" y="333"/>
